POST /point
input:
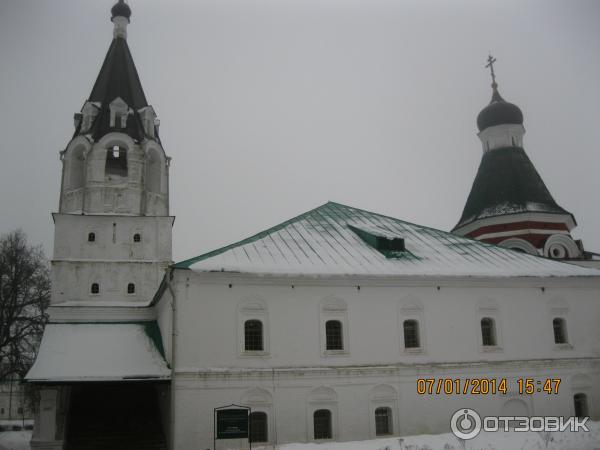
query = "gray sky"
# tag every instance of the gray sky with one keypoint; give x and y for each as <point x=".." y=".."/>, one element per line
<point x="271" y="108"/>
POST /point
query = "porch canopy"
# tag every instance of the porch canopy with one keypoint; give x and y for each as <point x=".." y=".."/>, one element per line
<point x="100" y="352"/>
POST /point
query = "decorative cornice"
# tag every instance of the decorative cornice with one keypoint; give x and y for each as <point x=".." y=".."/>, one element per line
<point x="580" y="282"/>
<point x="519" y="367"/>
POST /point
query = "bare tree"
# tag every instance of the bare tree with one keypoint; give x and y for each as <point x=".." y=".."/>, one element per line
<point x="24" y="298"/>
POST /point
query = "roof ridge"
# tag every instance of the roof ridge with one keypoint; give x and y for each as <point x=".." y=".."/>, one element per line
<point x="405" y="222"/>
<point x="187" y="262"/>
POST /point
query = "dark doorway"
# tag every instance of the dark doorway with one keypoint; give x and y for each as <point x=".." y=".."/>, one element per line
<point x="115" y="416"/>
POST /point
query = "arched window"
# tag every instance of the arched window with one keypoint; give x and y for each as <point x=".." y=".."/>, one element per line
<point x="333" y="335"/>
<point x="95" y="288"/>
<point x="91" y="237"/>
<point x="581" y="405"/>
<point x="488" y="332"/>
<point x="383" y="421"/>
<point x="131" y="288"/>
<point x="560" y="330"/>
<point x="253" y="335"/>
<point x="258" y="427"/>
<point x="322" y="424"/>
<point x="411" y="334"/>
<point x="137" y="237"/>
<point x="116" y="162"/>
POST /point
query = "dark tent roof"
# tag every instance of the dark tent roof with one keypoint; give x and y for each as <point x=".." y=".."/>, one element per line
<point x="507" y="183"/>
<point x="118" y="77"/>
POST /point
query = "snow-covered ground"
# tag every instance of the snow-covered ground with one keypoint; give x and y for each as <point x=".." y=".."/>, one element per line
<point x="19" y="440"/>
<point x="15" y="440"/>
<point x="485" y="441"/>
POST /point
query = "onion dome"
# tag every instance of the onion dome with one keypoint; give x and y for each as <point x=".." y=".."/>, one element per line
<point x="120" y="9"/>
<point x="499" y="112"/>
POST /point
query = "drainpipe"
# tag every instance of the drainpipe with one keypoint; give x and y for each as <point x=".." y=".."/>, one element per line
<point x="168" y="276"/>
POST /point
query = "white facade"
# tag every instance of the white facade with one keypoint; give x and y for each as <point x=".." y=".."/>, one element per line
<point x="295" y="375"/>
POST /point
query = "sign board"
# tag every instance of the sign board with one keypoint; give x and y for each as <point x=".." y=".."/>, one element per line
<point x="232" y="424"/>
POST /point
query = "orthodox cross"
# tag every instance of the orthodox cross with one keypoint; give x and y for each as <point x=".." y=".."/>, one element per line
<point x="491" y="60"/>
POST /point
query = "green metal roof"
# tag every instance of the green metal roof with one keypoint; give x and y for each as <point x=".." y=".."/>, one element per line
<point x="324" y="241"/>
<point x="507" y="183"/>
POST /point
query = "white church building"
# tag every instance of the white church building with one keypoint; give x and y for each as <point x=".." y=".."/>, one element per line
<point x="338" y="324"/>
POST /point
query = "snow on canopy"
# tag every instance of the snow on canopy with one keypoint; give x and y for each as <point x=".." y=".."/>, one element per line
<point x="99" y="352"/>
<point x="321" y="242"/>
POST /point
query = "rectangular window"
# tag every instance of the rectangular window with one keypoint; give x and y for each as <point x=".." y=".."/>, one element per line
<point x="322" y="424"/>
<point x="383" y="421"/>
<point x="253" y="335"/>
<point x="411" y="334"/>
<point x="560" y="334"/>
<point x="333" y="335"/>
<point x="488" y="332"/>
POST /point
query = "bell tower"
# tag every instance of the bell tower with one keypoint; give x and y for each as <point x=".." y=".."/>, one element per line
<point x="113" y="229"/>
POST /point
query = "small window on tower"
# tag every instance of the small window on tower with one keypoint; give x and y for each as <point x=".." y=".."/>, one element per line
<point x="131" y="288"/>
<point x="91" y="237"/>
<point x="116" y="161"/>
<point x="95" y="289"/>
<point x="137" y="237"/>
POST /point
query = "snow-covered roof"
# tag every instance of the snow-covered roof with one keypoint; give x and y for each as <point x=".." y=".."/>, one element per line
<point x="99" y="352"/>
<point x="335" y="239"/>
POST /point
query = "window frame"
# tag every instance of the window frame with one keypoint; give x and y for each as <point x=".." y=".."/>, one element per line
<point x="334" y="335"/>
<point x="411" y="308"/>
<point x="333" y="308"/>
<point x="488" y="308"/>
<point x="417" y="336"/>
<point x="491" y="330"/>
<point x="389" y="421"/>
<point x="130" y="284"/>
<point x="563" y="330"/>
<point x="261" y="333"/>
<point x="252" y="308"/>
<point x="95" y="283"/>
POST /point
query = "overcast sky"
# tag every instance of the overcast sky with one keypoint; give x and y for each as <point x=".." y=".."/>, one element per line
<point x="271" y="108"/>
